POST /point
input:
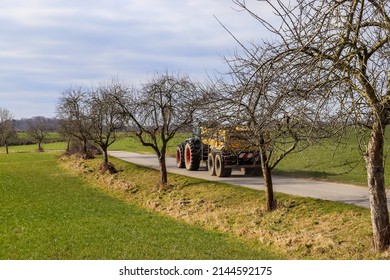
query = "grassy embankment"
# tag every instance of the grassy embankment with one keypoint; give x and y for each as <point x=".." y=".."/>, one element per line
<point x="47" y="213"/>
<point x="301" y="228"/>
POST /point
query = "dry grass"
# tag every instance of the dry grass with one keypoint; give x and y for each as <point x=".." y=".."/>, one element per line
<point x="301" y="228"/>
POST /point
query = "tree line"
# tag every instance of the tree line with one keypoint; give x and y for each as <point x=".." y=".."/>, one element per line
<point x="22" y="125"/>
<point x="153" y="113"/>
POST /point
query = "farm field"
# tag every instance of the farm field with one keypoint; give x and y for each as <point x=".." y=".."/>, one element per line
<point x="49" y="147"/>
<point x="132" y="144"/>
<point x="47" y="213"/>
<point x="50" y="137"/>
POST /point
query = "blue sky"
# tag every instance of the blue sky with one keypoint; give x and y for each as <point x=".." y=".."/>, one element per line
<point x="49" y="45"/>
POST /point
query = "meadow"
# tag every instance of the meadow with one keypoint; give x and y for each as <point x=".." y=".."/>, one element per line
<point x="47" y="213"/>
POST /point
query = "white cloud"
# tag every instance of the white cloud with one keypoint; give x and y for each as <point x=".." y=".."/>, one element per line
<point x="49" y="44"/>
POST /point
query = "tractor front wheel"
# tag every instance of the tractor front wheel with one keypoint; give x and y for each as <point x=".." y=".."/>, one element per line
<point x="180" y="156"/>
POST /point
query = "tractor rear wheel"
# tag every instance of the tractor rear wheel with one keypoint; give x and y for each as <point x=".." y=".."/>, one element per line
<point x="211" y="164"/>
<point x="220" y="169"/>
<point x="180" y="157"/>
<point x="192" y="156"/>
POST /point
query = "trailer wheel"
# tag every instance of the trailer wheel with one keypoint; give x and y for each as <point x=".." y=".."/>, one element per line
<point x="180" y="156"/>
<point x="220" y="169"/>
<point x="211" y="164"/>
<point x="192" y="156"/>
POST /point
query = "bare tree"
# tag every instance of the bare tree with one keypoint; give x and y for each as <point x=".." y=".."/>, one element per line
<point x="93" y="116"/>
<point x="162" y="107"/>
<point x="72" y="112"/>
<point x="275" y="108"/>
<point x="7" y="130"/>
<point x="106" y="117"/>
<point x="37" y="129"/>
<point x="348" y="42"/>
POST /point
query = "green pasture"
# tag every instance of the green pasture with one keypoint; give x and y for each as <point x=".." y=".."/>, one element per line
<point x="132" y="144"/>
<point x="327" y="161"/>
<point x="55" y="146"/>
<point x="47" y="213"/>
<point x="333" y="160"/>
<point x="50" y="136"/>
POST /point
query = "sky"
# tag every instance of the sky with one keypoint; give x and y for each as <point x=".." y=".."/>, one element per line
<point x="47" y="46"/>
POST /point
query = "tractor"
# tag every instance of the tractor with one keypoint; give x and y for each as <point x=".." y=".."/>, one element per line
<point x="221" y="150"/>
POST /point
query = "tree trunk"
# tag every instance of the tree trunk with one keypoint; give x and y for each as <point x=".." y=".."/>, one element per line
<point x="105" y="156"/>
<point x="163" y="171"/>
<point x="68" y="145"/>
<point x="106" y="165"/>
<point x="376" y="188"/>
<point x="85" y="147"/>
<point x="40" y="146"/>
<point x="269" y="189"/>
<point x="6" y="148"/>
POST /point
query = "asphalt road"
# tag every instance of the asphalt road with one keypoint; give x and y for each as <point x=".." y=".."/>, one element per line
<point x="296" y="186"/>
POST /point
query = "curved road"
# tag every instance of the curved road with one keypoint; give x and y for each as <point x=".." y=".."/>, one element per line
<point x="296" y="186"/>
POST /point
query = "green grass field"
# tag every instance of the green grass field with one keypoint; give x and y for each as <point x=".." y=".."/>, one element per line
<point x="132" y="144"/>
<point x="56" y="146"/>
<point x="50" y="136"/>
<point x="327" y="161"/>
<point x="47" y="213"/>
